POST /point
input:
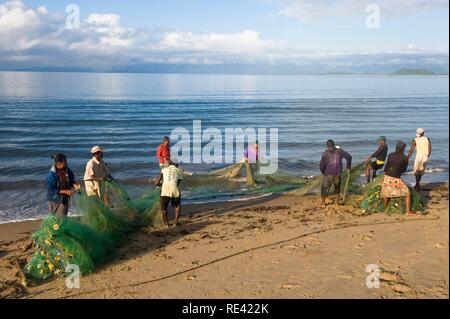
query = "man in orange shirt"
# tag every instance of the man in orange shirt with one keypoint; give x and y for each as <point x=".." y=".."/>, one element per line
<point x="163" y="153"/>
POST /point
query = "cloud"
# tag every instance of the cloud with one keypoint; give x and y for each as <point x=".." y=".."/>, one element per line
<point x="310" y="10"/>
<point x="34" y="37"/>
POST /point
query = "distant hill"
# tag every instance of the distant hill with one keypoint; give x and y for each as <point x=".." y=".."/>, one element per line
<point x="407" y="71"/>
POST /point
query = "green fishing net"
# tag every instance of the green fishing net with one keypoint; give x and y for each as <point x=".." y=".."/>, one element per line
<point x="372" y="201"/>
<point x="91" y="239"/>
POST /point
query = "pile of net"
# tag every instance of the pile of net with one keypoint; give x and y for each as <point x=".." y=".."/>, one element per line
<point x="365" y="197"/>
<point x="372" y="202"/>
<point x="91" y="239"/>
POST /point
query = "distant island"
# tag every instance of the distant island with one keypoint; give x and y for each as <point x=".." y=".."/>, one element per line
<point x="407" y="71"/>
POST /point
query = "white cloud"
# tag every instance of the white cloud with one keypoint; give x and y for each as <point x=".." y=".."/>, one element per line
<point x="308" y="10"/>
<point x="247" y="42"/>
<point x="36" y="37"/>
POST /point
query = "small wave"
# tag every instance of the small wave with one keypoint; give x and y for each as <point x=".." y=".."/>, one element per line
<point x="430" y="170"/>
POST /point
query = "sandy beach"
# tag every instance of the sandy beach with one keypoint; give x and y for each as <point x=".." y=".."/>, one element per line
<point x="272" y="247"/>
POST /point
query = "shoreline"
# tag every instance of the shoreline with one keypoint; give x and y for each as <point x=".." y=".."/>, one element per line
<point x="291" y="249"/>
<point x="18" y="229"/>
<point x="190" y="207"/>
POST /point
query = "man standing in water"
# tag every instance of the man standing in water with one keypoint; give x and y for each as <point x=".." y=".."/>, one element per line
<point x="171" y="177"/>
<point x="96" y="173"/>
<point x="61" y="185"/>
<point x="422" y="145"/>
<point x="331" y="169"/>
<point x="393" y="186"/>
<point x="163" y="153"/>
<point x="380" y="156"/>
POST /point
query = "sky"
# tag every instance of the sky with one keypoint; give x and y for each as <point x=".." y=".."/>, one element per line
<point x="259" y="35"/>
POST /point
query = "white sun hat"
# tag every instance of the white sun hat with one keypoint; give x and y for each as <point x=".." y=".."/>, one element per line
<point x="96" y="149"/>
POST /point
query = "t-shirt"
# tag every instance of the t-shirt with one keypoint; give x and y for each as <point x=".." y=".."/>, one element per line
<point x="331" y="162"/>
<point x="422" y="145"/>
<point x="163" y="153"/>
<point x="171" y="176"/>
<point x="251" y="154"/>
<point x="94" y="169"/>
<point x="381" y="153"/>
<point x="396" y="165"/>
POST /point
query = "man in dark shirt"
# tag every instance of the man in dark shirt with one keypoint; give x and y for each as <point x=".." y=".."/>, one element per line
<point x="331" y="169"/>
<point x="380" y="157"/>
<point x="393" y="185"/>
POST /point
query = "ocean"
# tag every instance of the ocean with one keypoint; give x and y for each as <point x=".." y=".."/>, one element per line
<point x="128" y="114"/>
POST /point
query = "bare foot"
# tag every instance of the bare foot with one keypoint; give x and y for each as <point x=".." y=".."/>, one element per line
<point x="410" y="213"/>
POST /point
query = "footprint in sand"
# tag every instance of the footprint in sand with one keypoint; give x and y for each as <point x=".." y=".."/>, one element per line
<point x="389" y="276"/>
<point x="395" y="281"/>
<point x="290" y="286"/>
<point x="401" y="288"/>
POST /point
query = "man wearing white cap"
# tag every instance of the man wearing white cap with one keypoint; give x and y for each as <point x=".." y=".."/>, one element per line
<point x="422" y="145"/>
<point x="96" y="172"/>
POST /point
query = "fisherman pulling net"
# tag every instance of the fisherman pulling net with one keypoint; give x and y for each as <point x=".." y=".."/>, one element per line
<point x="108" y="214"/>
<point x="91" y="239"/>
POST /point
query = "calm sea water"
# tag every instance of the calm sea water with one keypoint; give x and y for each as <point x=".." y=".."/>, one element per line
<point x="45" y="113"/>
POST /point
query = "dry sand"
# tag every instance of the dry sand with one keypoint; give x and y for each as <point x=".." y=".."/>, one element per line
<point x="276" y="247"/>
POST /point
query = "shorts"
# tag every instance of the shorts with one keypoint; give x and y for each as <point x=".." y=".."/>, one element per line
<point x="174" y="201"/>
<point x="375" y="166"/>
<point x="329" y="181"/>
<point x="420" y="163"/>
<point x="394" y="187"/>
<point x="58" y="209"/>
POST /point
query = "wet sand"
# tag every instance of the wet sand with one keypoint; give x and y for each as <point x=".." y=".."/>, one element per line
<point x="272" y="247"/>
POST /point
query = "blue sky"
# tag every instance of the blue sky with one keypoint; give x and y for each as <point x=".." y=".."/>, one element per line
<point x="222" y="32"/>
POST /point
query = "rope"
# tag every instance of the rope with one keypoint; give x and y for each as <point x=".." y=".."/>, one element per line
<point x="323" y="230"/>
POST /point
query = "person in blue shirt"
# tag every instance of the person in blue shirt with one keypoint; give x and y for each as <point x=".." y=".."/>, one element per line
<point x="61" y="185"/>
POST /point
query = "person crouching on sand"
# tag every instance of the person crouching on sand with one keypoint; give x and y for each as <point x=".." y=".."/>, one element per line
<point x="171" y="177"/>
<point x="380" y="157"/>
<point x="61" y="185"/>
<point x="393" y="186"/>
<point x="422" y="145"/>
<point x="95" y="174"/>
<point x="331" y="169"/>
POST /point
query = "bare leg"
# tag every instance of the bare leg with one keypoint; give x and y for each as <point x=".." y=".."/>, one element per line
<point x="368" y="175"/>
<point x="164" y="218"/>
<point x="385" y="203"/>
<point x="418" y="179"/>
<point x="408" y="205"/>
<point x="323" y="205"/>
<point x="177" y="214"/>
